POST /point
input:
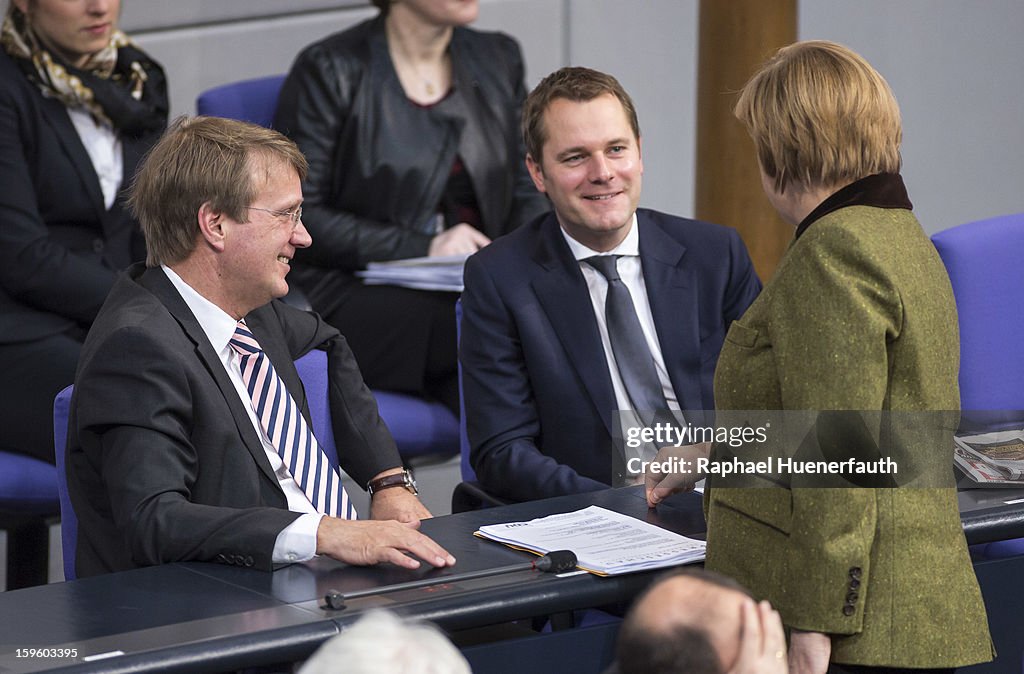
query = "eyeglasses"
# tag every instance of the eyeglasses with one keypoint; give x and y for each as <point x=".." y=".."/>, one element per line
<point x="295" y="216"/>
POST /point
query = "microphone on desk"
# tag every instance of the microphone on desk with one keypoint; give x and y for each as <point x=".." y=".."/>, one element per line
<point x="556" y="561"/>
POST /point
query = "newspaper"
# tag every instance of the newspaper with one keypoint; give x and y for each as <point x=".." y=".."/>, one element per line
<point x="421" y="273"/>
<point x="605" y="542"/>
<point x="992" y="458"/>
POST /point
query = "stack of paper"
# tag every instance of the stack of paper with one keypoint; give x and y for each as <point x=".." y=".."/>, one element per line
<point x="421" y="273"/>
<point x="606" y="543"/>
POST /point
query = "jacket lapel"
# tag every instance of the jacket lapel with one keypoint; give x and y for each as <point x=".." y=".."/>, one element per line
<point x="563" y="293"/>
<point x="672" y="293"/>
<point x="57" y="117"/>
<point x="157" y="283"/>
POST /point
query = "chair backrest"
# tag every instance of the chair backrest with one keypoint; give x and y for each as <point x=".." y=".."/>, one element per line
<point x="468" y="474"/>
<point x="252" y="100"/>
<point x="68" y="520"/>
<point x="313" y="371"/>
<point x="984" y="263"/>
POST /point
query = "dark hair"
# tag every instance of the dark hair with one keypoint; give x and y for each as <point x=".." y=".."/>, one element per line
<point x="383" y="5"/>
<point x="575" y="84"/>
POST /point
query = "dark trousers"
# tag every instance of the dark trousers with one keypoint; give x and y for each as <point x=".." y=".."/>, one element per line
<point x="32" y="375"/>
<point x="403" y="340"/>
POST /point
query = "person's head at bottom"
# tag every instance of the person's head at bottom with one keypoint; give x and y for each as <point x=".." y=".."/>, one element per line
<point x="380" y="643"/>
<point x="700" y="622"/>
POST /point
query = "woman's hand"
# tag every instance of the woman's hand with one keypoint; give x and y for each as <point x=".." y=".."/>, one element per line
<point x="462" y="239"/>
<point x="660" y="485"/>
<point x="809" y="652"/>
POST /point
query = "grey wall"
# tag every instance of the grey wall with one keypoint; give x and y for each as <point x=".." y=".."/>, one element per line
<point x="957" y="69"/>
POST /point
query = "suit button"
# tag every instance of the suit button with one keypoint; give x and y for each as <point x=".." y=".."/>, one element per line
<point x="851" y="598"/>
<point x="855" y="573"/>
<point x="98" y="245"/>
<point x="222" y="559"/>
<point x="848" y="610"/>
<point x="854" y="584"/>
<point x="249" y="561"/>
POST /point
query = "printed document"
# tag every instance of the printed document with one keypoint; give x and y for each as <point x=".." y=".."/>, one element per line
<point x="606" y="543"/>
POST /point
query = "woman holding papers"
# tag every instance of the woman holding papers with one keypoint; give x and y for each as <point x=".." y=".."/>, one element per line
<point x="859" y="316"/>
<point x="410" y="122"/>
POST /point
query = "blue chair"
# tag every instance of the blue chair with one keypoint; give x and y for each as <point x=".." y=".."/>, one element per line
<point x="422" y="429"/>
<point x="68" y="519"/>
<point x="468" y="494"/>
<point x="984" y="263"/>
<point x="252" y="100"/>
<point x="28" y="503"/>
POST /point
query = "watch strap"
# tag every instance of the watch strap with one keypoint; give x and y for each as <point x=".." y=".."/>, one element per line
<point x="402" y="479"/>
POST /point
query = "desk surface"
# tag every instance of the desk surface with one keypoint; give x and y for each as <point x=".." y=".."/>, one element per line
<point x="211" y="617"/>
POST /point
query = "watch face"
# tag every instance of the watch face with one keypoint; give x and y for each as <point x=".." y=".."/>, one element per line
<point x="410" y="482"/>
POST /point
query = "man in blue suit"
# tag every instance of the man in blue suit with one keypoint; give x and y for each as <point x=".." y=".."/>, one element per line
<point x="543" y="374"/>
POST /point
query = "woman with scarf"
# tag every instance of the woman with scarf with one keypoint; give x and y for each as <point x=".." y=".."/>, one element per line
<point x="80" y="104"/>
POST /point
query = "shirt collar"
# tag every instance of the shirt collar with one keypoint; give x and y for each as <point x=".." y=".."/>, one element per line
<point x="218" y="325"/>
<point x="629" y="246"/>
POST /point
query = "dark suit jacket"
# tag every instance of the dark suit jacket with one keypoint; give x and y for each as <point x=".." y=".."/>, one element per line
<point x="60" y="248"/>
<point x="539" y="399"/>
<point x="164" y="464"/>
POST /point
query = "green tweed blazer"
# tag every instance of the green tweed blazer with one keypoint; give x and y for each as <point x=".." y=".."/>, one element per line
<point x="859" y="316"/>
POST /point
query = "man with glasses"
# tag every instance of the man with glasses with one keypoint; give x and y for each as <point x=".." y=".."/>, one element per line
<point x="187" y="439"/>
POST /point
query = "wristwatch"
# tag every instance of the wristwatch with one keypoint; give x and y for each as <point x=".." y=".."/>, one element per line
<point x="403" y="479"/>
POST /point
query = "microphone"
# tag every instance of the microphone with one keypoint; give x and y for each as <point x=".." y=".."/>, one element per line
<point x="556" y="561"/>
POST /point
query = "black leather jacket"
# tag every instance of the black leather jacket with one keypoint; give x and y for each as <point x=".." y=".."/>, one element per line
<point x="378" y="164"/>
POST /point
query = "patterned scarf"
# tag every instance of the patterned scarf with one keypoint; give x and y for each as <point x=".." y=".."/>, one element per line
<point x="119" y="86"/>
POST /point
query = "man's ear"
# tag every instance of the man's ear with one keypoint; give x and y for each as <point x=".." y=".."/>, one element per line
<point x="536" y="173"/>
<point x="211" y="226"/>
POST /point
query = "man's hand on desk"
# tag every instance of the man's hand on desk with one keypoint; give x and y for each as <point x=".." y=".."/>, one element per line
<point x="660" y="485"/>
<point x="366" y="542"/>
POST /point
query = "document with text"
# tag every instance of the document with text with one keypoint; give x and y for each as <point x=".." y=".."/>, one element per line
<point x="605" y="542"/>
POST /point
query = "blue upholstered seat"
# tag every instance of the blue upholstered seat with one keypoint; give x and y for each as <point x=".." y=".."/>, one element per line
<point x="984" y="263"/>
<point x="68" y="520"/>
<point x="252" y="100"/>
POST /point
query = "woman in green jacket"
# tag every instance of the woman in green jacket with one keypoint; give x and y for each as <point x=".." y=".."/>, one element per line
<point x="859" y="317"/>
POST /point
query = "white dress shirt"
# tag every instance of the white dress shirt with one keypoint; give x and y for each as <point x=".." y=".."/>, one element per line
<point x="631" y="273"/>
<point x="104" y="148"/>
<point x="297" y="541"/>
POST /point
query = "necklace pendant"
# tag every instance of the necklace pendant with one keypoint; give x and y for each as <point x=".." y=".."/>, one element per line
<point x="429" y="86"/>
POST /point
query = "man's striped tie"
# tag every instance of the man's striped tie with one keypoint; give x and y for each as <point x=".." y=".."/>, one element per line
<point x="287" y="430"/>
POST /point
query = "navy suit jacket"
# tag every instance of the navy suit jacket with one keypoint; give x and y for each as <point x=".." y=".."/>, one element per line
<point x="539" y="399"/>
<point x="163" y="462"/>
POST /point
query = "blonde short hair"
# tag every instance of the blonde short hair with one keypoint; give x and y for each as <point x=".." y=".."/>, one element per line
<point x="199" y="160"/>
<point x="820" y="115"/>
